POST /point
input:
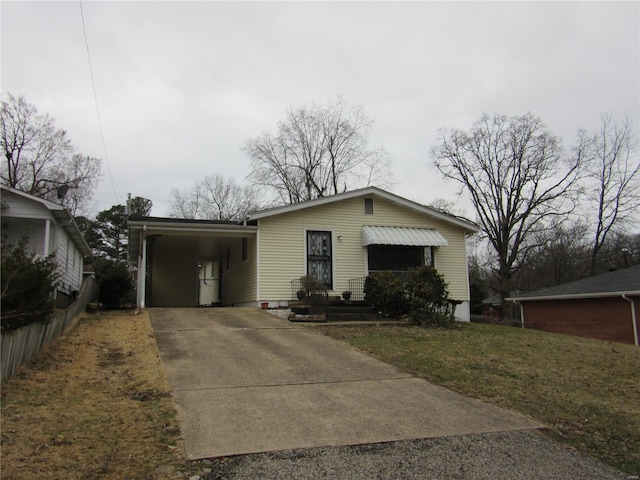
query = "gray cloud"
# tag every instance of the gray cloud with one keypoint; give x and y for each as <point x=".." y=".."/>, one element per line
<point x="182" y="85"/>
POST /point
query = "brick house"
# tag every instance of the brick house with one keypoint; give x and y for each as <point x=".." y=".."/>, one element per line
<point x="604" y="307"/>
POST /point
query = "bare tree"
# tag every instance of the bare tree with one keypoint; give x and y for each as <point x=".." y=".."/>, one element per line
<point x="318" y="150"/>
<point x="517" y="177"/>
<point x="39" y="158"/>
<point x="613" y="180"/>
<point x="448" y="206"/>
<point x="213" y="198"/>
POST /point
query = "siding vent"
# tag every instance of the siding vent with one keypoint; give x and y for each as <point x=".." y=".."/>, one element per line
<point x="368" y="206"/>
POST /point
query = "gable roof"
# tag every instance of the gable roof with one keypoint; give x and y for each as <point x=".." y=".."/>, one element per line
<point x="58" y="212"/>
<point x="463" y="223"/>
<point x="612" y="284"/>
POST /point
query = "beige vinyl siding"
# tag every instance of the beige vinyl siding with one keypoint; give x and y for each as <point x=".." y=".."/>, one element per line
<point x="174" y="278"/>
<point x="239" y="282"/>
<point x="282" y="244"/>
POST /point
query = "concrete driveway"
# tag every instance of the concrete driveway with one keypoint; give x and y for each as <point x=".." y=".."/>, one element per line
<point x="245" y="381"/>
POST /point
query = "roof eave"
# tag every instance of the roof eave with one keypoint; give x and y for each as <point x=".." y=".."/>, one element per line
<point x="71" y="227"/>
<point x="575" y="296"/>
<point x="468" y="226"/>
<point x="151" y="226"/>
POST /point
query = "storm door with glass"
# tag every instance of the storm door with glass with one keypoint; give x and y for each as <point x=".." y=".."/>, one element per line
<point x="319" y="260"/>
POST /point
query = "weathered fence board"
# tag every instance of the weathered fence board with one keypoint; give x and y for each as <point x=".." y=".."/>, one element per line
<point x="18" y="346"/>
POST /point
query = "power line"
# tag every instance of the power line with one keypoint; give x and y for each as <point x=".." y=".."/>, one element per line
<point x="95" y="97"/>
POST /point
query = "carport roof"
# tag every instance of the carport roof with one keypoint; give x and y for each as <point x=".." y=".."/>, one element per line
<point x="183" y="227"/>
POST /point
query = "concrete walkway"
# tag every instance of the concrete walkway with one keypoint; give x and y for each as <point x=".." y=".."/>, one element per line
<point x="245" y="381"/>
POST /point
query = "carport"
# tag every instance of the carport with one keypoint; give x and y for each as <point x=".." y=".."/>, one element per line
<point x="187" y="263"/>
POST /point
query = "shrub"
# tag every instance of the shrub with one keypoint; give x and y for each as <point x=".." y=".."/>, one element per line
<point x="422" y="294"/>
<point x="429" y="298"/>
<point x="27" y="286"/>
<point x="116" y="285"/>
<point x="387" y="293"/>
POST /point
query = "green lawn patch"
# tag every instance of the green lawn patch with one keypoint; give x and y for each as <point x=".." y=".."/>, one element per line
<point x="587" y="392"/>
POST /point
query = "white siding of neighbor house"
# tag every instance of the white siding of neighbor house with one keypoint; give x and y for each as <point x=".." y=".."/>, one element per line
<point x="282" y="244"/>
<point x="14" y="228"/>
<point x="174" y="277"/>
<point x="239" y="282"/>
<point x="27" y="216"/>
<point x="69" y="261"/>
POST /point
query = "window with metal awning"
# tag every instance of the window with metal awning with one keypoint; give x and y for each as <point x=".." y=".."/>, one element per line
<point x="400" y="248"/>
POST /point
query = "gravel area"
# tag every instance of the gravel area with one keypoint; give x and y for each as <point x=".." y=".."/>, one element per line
<point x="280" y="312"/>
<point x="526" y="455"/>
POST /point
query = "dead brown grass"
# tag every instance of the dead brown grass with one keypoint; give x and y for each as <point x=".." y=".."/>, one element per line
<point x="95" y="404"/>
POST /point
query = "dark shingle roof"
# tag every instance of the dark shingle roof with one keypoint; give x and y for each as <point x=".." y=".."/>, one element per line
<point x="620" y="281"/>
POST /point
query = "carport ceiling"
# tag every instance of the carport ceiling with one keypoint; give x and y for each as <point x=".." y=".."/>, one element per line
<point x="204" y="246"/>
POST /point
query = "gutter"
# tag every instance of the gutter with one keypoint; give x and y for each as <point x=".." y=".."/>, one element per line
<point x="633" y="318"/>
<point x="571" y="296"/>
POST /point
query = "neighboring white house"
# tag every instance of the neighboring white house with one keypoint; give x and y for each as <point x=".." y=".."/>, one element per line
<point x="51" y="229"/>
<point x="337" y="239"/>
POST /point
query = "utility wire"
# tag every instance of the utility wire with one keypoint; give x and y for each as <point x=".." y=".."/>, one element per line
<point x="95" y="97"/>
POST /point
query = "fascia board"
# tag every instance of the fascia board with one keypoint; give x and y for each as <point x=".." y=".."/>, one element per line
<point x="190" y="228"/>
<point x="575" y="296"/>
<point x="467" y="225"/>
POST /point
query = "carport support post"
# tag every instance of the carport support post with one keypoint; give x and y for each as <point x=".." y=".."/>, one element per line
<point x="142" y="269"/>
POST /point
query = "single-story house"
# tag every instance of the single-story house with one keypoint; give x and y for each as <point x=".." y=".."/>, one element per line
<point x="52" y="230"/>
<point x="604" y="306"/>
<point x="337" y="239"/>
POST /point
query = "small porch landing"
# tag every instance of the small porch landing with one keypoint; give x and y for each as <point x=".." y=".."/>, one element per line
<point x="331" y="310"/>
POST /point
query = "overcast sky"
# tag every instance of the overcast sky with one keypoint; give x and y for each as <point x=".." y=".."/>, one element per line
<point x="182" y="85"/>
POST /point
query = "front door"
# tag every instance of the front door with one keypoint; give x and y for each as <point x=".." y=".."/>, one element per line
<point x="319" y="257"/>
<point x="208" y="283"/>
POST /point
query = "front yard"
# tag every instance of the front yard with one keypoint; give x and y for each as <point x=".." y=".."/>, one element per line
<point x="586" y="391"/>
<point x="94" y="404"/>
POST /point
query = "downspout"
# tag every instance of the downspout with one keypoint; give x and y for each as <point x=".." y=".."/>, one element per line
<point x="47" y="237"/>
<point x="521" y="314"/>
<point x="633" y="318"/>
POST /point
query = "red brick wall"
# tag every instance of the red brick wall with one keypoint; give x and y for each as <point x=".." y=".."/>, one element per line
<point x="602" y="318"/>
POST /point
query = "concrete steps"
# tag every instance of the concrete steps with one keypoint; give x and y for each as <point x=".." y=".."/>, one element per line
<point x="334" y="311"/>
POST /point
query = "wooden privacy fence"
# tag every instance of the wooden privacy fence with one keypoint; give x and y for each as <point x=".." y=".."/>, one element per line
<point x="18" y="346"/>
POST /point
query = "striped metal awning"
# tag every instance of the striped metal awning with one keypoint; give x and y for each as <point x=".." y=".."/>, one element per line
<point x="416" y="237"/>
